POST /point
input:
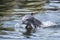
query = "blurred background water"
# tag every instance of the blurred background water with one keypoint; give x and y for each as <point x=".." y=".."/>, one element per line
<point x="48" y="12"/>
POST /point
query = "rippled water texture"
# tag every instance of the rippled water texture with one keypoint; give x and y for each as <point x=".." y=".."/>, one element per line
<point x="49" y="18"/>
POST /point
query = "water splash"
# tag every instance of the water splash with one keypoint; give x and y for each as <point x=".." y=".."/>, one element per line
<point x="48" y="23"/>
<point x="17" y="27"/>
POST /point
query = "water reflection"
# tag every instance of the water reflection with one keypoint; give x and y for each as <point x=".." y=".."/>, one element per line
<point x="28" y="32"/>
<point x="49" y="17"/>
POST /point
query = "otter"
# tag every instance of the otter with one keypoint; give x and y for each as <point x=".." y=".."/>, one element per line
<point x="29" y="20"/>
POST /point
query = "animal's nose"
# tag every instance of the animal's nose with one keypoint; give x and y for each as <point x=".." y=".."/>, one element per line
<point x="24" y="22"/>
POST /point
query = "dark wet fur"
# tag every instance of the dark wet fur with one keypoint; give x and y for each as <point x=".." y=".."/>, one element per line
<point x="37" y="22"/>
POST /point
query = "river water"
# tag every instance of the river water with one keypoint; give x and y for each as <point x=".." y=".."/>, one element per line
<point x="49" y="18"/>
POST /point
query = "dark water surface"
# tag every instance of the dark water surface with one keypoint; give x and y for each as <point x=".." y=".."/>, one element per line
<point x="49" y="18"/>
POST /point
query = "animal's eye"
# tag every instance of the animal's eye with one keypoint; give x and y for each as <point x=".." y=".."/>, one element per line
<point x="27" y="19"/>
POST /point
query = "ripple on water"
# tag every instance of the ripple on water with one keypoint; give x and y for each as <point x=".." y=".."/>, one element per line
<point x="49" y="18"/>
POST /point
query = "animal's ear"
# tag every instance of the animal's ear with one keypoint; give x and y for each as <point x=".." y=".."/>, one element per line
<point x="31" y="13"/>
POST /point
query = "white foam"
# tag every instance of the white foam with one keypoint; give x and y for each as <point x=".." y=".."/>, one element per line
<point x="48" y="23"/>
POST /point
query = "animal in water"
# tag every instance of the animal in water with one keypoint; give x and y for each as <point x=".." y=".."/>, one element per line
<point x="29" y="20"/>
